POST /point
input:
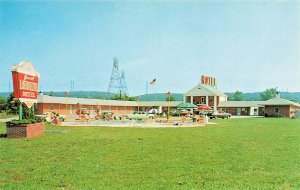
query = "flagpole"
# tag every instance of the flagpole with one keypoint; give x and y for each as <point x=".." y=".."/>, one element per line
<point x="155" y="93"/>
<point x="153" y="83"/>
<point x="146" y="90"/>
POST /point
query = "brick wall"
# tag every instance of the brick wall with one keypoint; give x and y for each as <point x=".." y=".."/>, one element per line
<point x="61" y="108"/>
<point x="283" y="110"/>
<point x="233" y="111"/>
<point x="27" y="131"/>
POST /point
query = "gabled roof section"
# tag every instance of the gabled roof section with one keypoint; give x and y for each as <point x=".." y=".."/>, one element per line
<point x="204" y="90"/>
<point x="240" y="104"/>
<point x="26" y="68"/>
<point x="84" y="101"/>
<point x="160" y="103"/>
<point x="277" y="101"/>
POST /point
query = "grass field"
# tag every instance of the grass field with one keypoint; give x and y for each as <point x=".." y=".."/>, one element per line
<point x="235" y="154"/>
<point x="5" y="116"/>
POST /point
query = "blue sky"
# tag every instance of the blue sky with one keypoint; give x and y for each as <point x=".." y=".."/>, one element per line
<point x="247" y="46"/>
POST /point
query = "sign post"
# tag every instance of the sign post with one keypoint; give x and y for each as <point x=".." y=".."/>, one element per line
<point x="26" y="85"/>
<point x="20" y="111"/>
<point x="25" y="81"/>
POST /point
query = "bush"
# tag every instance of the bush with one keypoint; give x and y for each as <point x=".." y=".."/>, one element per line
<point x="24" y="122"/>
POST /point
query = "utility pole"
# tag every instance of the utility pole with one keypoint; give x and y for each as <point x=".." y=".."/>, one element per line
<point x="9" y="86"/>
<point x="146" y="90"/>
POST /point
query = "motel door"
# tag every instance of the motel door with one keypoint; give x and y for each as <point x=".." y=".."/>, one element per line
<point x="70" y="109"/>
<point x="238" y="111"/>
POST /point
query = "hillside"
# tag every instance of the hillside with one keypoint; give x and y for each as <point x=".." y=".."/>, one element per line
<point x="161" y="97"/>
<point x="293" y="96"/>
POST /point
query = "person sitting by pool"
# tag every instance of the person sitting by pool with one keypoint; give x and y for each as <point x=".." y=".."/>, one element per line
<point x="78" y="111"/>
<point x="111" y="117"/>
<point x="194" y="118"/>
<point x="56" y="120"/>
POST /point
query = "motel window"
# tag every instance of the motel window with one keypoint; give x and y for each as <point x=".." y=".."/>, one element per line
<point x="59" y="107"/>
<point x="276" y="110"/>
<point x="202" y="99"/>
<point x="243" y="109"/>
<point x="51" y="107"/>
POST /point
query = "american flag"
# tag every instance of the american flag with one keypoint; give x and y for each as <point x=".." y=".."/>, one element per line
<point x="153" y="82"/>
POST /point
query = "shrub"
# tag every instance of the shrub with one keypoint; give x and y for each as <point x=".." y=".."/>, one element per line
<point x="24" y="122"/>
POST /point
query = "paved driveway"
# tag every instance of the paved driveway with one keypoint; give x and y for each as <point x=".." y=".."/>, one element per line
<point x="8" y="119"/>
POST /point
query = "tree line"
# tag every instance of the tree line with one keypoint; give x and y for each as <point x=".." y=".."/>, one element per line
<point x="265" y="95"/>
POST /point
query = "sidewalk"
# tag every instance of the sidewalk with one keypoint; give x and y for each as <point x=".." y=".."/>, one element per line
<point x="8" y="119"/>
<point x="246" y="116"/>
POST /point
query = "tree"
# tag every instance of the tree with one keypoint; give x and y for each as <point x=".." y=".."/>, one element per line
<point x="238" y="96"/>
<point x="268" y="94"/>
<point x="122" y="97"/>
<point x="230" y="96"/>
<point x="172" y="98"/>
<point x="3" y="104"/>
<point x="12" y="106"/>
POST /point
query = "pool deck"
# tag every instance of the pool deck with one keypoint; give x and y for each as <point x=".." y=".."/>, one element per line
<point x="140" y="124"/>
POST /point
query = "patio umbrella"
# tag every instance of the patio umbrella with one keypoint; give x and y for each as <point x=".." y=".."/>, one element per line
<point x="186" y="106"/>
<point x="204" y="107"/>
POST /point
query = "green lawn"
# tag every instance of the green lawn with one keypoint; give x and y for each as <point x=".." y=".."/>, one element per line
<point x="235" y="154"/>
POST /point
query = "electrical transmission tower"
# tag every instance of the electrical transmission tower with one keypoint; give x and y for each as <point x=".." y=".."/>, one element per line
<point x="117" y="82"/>
<point x="123" y="86"/>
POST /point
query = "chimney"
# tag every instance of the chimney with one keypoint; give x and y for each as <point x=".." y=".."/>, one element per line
<point x="277" y="95"/>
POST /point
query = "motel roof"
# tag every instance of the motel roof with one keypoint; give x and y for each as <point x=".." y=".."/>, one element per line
<point x="85" y="101"/>
<point x="160" y="103"/>
<point x="204" y="90"/>
<point x="277" y="101"/>
<point x="241" y="104"/>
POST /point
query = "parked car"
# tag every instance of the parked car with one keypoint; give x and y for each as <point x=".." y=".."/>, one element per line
<point x="204" y="112"/>
<point x="219" y="114"/>
<point x="141" y="115"/>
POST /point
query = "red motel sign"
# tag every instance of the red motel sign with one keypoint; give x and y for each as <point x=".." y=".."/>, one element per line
<point x="208" y="80"/>
<point x="25" y="86"/>
<point x="25" y="82"/>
